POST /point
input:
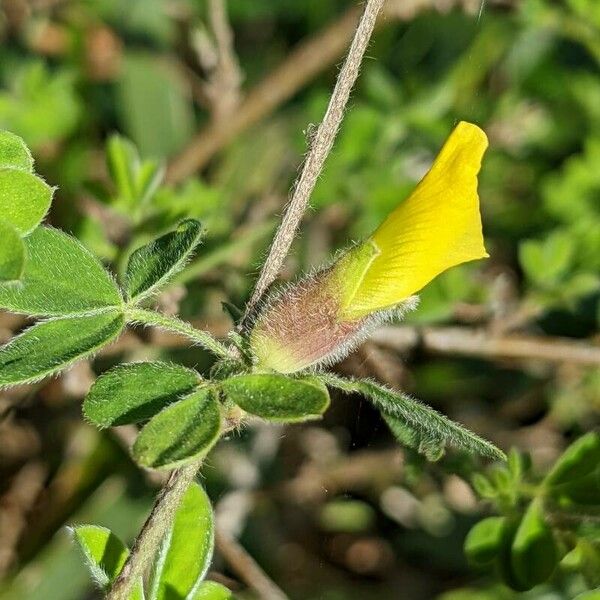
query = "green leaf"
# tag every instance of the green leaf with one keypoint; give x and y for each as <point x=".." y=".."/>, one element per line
<point x="12" y="254"/>
<point x="122" y="159"/>
<point x="135" y="392"/>
<point x="589" y="595"/>
<point x="431" y="447"/>
<point x="575" y="477"/>
<point x="151" y="266"/>
<point x="186" y="552"/>
<point x="429" y="423"/>
<point x="534" y="554"/>
<point x="277" y="397"/>
<point x="104" y="554"/>
<point x="24" y="199"/>
<point x="14" y="152"/>
<point x="53" y="345"/>
<point x="211" y="590"/>
<point x="180" y="433"/>
<point x="484" y="541"/>
<point x="61" y="277"/>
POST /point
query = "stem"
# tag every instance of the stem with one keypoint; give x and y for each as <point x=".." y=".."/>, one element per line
<point x="320" y="147"/>
<point x="153" y="531"/>
<point x="202" y="338"/>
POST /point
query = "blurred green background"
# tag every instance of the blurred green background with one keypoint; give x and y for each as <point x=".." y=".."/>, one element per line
<point x="331" y="510"/>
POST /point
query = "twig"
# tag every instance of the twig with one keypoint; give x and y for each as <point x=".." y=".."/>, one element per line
<point x="153" y="531"/>
<point x="320" y="147"/>
<point x="308" y="60"/>
<point x="247" y="568"/>
<point x="481" y="343"/>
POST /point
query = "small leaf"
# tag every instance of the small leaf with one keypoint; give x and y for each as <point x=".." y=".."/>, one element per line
<point x="61" y="277"/>
<point x="430" y="447"/>
<point x="122" y="160"/>
<point x="151" y="266"/>
<point x="277" y="397"/>
<point x="14" y="152"/>
<point x="53" y="345"/>
<point x="135" y="392"/>
<point x="105" y="554"/>
<point x="211" y="590"/>
<point x="429" y="423"/>
<point x="484" y="541"/>
<point x="534" y="554"/>
<point x="181" y="432"/>
<point x="186" y="552"/>
<point x="12" y="254"/>
<point x="24" y="199"/>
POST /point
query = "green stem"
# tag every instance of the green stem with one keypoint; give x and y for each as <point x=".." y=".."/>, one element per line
<point x="202" y="338"/>
<point x="153" y="531"/>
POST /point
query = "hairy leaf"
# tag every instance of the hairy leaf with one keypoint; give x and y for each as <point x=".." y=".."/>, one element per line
<point x="187" y="549"/>
<point x="277" y="397"/>
<point x="428" y="422"/>
<point x="135" y="392"/>
<point x="61" y="277"/>
<point x="52" y="345"/>
<point x="104" y="554"/>
<point x="12" y="254"/>
<point x="24" y="199"/>
<point x="152" y="265"/>
<point x="14" y="153"/>
<point x="430" y="446"/>
<point x="181" y="432"/>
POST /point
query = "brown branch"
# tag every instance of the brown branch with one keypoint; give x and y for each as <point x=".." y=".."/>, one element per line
<point x="481" y="343"/>
<point x="320" y="146"/>
<point x="247" y="568"/>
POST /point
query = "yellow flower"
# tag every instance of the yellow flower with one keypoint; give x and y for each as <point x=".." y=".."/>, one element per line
<point x="438" y="226"/>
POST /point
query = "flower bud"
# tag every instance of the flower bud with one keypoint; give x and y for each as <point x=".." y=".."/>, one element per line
<point x="325" y="315"/>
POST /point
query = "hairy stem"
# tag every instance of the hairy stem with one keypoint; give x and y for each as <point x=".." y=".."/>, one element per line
<point x="153" y="531"/>
<point x="202" y="338"/>
<point x="320" y="146"/>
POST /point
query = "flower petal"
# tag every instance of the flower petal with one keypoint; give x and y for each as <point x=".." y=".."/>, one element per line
<point x="437" y="227"/>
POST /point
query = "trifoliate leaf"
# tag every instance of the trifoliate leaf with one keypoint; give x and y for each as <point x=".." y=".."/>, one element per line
<point x="429" y="423"/>
<point x="277" y="397"/>
<point x="12" y="254"/>
<point x="53" y="345"/>
<point x="152" y="265"/>
<point x="135" y="392"/>
<point x="187" y="549"/>
<point x="180" y="433"/>
<point x="104" y="554"/>
<point x="14" y="152"/>
<point x="24" y="199"/>
<point x="61" y="277"/>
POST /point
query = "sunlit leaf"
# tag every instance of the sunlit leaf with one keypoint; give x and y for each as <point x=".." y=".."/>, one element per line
<point x="12" y="255"/>
<point x="277" y="397"/>
<point x="180" y="433"/>
<point x="24" y="199"/>
<point x="484" y="541"/>
<point x="186" y="552"/>
<point x="61" y="277"/>
<point x="53" y="345"/>
<point x="211" y="590"/>
<point x="131" y="393"/>
<point x="14" y="153"/>
<point x="152" y="265"/>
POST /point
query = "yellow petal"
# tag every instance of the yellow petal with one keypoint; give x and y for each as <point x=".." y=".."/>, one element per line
<point x="437" y="227"/>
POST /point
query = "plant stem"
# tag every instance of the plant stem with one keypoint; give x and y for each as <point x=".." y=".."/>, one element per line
<point x="202" y="338"/>
<point x="153" y="531"/>
<point x="320" y="146"/>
